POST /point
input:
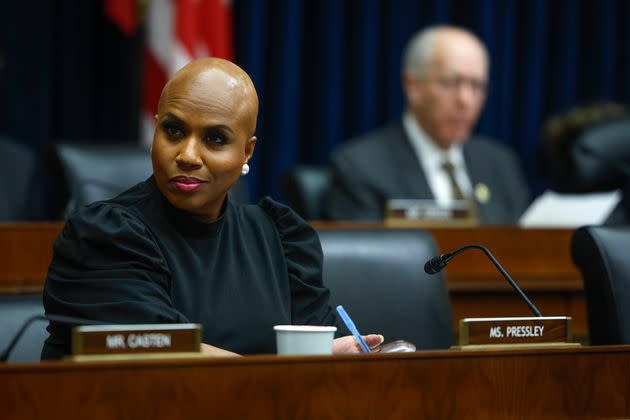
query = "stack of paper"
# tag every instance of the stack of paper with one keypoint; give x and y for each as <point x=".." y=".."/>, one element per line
<point x="552" y="209"/>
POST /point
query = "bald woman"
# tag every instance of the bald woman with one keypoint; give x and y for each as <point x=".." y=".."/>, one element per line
<point x="174" y="248"/>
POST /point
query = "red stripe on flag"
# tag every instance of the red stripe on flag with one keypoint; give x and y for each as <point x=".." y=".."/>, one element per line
<point x="206" y="23"/>
<point x="154" y="80"/>
<point x="187" y="21"/>
<point x="217" y="30"/>
<point x="123" y="14"/>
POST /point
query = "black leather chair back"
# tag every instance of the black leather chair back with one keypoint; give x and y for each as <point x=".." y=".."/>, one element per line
<point x="378" y="276"/>
<point x="17" y="166"/>
<point x="15" y="310"/>
<point x="601" y="156"/>
<point x="305" y="187"/>
<point x="603" y="256"/>
<point x="94" y="172"/>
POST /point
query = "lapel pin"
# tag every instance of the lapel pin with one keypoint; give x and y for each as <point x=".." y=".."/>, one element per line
<point x="482" y="193"/>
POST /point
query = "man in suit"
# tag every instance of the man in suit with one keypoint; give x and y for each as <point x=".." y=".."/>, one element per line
<point x="430" y="153"/>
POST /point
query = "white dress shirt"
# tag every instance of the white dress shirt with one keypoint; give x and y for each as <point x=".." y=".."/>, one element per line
<point x="431" y="158"/>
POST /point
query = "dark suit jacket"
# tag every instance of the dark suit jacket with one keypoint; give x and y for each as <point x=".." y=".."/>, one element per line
<point x="382" y="165"/>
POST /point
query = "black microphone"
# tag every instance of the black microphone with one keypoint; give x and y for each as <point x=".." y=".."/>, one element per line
<point x="48" y="317"/>
<point x="436" y="264"/>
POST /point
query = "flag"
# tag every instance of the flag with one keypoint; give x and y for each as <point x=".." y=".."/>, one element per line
<point x="123" y="13"/>
<point x="177" y="32"/>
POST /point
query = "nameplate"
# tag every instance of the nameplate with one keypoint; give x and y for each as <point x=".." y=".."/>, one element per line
<point x="140" y="338"/>
<point x="528" y="330"/>
<point x="418" y="213"/>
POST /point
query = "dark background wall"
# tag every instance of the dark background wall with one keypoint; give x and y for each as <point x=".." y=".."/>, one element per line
<point x="326" y="70"/>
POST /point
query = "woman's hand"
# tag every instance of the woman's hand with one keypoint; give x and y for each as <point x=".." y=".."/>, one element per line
<point x="348" y="344"/>
<point x="213" y="351"/>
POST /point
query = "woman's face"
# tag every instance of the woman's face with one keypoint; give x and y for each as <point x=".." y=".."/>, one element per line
<point x="202" y="139"/>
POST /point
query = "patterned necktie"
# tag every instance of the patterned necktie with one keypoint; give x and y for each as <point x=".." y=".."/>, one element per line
<point x="450" y="170"/>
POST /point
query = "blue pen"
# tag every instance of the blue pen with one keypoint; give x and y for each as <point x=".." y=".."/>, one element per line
<point x="353" y="329"/>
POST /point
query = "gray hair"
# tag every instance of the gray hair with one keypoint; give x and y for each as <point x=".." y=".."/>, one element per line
<point x="419" y="49"/>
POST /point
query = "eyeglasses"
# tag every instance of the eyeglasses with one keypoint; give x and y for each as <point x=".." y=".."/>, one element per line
<point x="452" y="84"/>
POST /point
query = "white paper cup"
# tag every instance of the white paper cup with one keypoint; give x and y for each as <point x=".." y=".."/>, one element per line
<point x="304" y="339"/>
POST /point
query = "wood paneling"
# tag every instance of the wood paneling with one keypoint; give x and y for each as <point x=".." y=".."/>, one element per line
<point x="539" y="260"/>
<point x="554" y="384"/>
<point x="25" y="253"/>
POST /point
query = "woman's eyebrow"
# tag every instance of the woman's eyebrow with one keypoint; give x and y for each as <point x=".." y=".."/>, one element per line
<point x="173" y="117"/>
<point x="170" y="116"/>
<point x="220" y="127"/>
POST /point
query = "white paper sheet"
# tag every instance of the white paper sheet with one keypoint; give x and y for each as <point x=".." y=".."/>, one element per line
<point x="553" y="209"/>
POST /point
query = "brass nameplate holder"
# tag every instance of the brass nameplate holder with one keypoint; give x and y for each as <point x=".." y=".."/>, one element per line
<point x="428" y="213"/>
<point x="94" y="342"/>
<point x="494" y="333"/>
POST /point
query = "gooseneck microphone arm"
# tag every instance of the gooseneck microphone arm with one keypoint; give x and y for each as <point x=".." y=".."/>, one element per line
<point x="63" y="319"/>
<point x="436" y="264"/>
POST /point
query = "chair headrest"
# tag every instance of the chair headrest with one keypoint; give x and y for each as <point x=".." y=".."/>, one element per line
<point x="601" y="156"/>
<point x="98" y="172"/>
<point x="378" y="275"/>
<point x="304" y="187"/>
<point x="18" y="167"/>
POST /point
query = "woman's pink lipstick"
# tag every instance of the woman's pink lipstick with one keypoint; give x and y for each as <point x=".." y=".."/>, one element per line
<point x="186" y="184"/>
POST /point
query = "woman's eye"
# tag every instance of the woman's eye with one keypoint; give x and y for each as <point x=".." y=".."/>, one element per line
<point x="216" y="139"/>
<point x="172" y="130"/>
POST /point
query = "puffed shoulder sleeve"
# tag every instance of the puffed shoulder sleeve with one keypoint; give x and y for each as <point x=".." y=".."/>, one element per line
<point x="303" y="254"/>
<point x="108" y="267"/>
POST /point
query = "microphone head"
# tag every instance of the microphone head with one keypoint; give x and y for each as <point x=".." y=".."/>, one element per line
<point x="434" y="265"/>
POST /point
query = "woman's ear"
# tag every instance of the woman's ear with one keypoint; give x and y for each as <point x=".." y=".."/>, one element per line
<point x="249" y="147"/>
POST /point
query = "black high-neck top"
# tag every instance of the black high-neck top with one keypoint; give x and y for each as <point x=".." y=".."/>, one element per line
<point x="137" y="259"/>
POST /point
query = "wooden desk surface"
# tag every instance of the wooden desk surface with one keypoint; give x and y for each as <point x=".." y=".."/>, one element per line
<point x="538" y="259"/>
<point x="556" y="384"/>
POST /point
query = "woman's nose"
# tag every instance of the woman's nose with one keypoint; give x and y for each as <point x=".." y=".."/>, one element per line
<point x="188" y="156"/>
